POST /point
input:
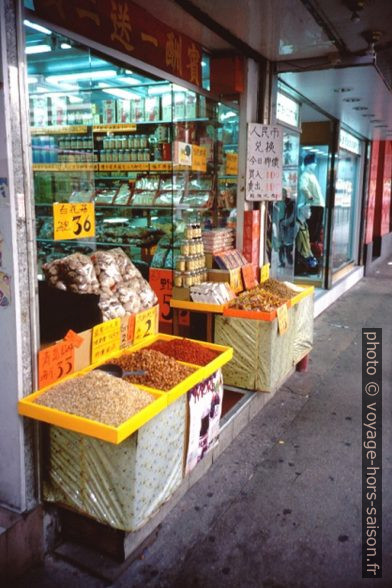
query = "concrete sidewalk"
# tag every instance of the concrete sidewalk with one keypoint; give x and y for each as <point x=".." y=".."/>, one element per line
<point x="281" y="507"/>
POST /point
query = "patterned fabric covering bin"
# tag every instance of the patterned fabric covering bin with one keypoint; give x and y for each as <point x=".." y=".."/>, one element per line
<point x="303" y="313"/>
<point x="119" y="485"/>
<point x="262" y="357"/>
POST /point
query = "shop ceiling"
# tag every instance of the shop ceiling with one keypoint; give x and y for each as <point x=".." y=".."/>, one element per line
<point x="349" y="40"/>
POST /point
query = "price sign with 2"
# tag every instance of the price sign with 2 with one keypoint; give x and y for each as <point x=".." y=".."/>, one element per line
<point x="146" y="323"/>
<point x="73" y="220"/>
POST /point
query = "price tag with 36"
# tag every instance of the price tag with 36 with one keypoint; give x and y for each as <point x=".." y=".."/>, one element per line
<point x="73" y="220"/>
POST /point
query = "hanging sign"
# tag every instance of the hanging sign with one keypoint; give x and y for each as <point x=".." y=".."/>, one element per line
<point x="231" y="164"/>
<point x="55" y="362"/>
<point x="73" y="221"/>
<point x="283" y="319"/>
<point x="264" y="162"/>
<point x="146" y="323"/>
<point x="106" y="339"/>
<point x="199" y="158"/>
<point x="129" y="28"/>
<point x="287" y="110"/>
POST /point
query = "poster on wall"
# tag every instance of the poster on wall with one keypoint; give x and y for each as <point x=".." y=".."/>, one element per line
<point x="264" y="163"/>
<point x="205" y="409"/>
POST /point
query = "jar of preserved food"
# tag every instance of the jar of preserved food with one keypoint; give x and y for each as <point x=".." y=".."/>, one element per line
<point x="189" y="231"/>
<point x="143" y="141"/>
<point x="178" y="279"/>
<point x="136" y="141"/>
<point x="111" y="142"/>
<point x="127" y="155"/>
<point x="192" y="247"/>
<point x="184" y="248"/>
<point x="188" y="279"/>
<point x="180" y="263"/>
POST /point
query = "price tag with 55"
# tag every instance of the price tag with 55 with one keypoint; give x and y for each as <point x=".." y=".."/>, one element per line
<point x="73" y="220"/>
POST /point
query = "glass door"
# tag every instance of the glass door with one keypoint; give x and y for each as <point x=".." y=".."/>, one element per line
<point x="345" y="209"/>
<point x="311" y="218"/>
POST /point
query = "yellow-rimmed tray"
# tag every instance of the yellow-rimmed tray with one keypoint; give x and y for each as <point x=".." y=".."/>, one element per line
<point x="225" y="353"/>
<point x="197" y="306"/>
<point x="307" y="291"/>
<point x="28" y="407"/>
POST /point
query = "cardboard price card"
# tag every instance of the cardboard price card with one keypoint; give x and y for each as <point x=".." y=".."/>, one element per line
<point x="55" y="362"/>
<point x="199" y="158"/>
<point x="283" y="319"/>
<point x="264" y="273"/>
<point x="74" y="338"/>
<point x="73" y="221"/>
<point x="146" y="323"/>
<point x="236" y="280"/>
<point x="248" y="276"/>
<point x="106" y="339"/>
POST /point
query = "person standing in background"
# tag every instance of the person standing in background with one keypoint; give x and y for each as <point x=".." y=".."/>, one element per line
<point x="310" y="194"/>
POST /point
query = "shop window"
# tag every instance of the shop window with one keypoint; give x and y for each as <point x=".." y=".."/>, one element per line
<point x="151" y="155"/>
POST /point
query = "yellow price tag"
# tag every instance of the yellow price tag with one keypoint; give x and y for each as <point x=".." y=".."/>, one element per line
<point x="159" y="166"/>
<point x="146" y="323"/>
<point x="106" y="340"/>
<point x="73" y="221"/>
<point x="236" y="283"/>
<point x="264" y="272"/>
<point x="231" y="164"/>
<point x="283" y="319"/>
<point x="199" y="158"/>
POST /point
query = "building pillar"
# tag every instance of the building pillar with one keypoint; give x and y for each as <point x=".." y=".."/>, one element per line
<point x="18" y="275"/>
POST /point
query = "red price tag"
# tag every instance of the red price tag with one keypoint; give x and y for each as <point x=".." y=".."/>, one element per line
<point x="161" y="281"/>
<point x="55" y="362"/>
<point x="248" y="276"/>
<point x="131" y="328"/>
<point x="73" y="338"/>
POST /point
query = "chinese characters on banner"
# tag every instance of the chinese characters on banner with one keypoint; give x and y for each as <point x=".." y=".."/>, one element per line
<point x="73" y="221"/>
<point x="264" y="162"/>
<point x="129" y="28"/>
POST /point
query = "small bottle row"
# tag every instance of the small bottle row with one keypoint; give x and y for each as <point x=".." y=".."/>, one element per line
<point x="190" y="278"/>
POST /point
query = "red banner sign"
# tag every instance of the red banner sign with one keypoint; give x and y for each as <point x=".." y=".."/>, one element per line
<point x="125" y="26"/>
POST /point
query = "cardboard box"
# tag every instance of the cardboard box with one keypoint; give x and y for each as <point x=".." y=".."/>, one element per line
<point x="181" y="293"/>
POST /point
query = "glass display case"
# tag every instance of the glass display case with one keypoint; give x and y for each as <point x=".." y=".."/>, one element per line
<point x="151" y="155"/>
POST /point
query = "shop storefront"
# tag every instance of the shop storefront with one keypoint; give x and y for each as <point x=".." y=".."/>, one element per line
<point x="316" y="228"/>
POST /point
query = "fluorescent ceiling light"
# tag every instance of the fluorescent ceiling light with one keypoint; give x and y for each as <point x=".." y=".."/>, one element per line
<point x="87" y="75"/>
<point x="130" y="81"/>
<point x="119" y="92"/>
<point x="156" y="90"/>
<point x="33" y="49"/>
<point x="37" y="27"/>
<point x="203" y="63"/>
<point x="65" y="46"/>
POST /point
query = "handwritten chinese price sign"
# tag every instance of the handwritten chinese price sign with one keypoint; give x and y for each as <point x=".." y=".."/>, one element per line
<point x="264" y="272"/>
<point x="283" y="319"/>
<point x="73" y="221"/>
<point x="161" y="281"/>
<point x="199" y="158"/>
<point x="248" y="276"/>
<point x="106" y="339"/>
<point x="231" y="164"/>
<point x="264" y="162"/>
<point x="146" y="324"/>
<point x="55" y="362"/>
